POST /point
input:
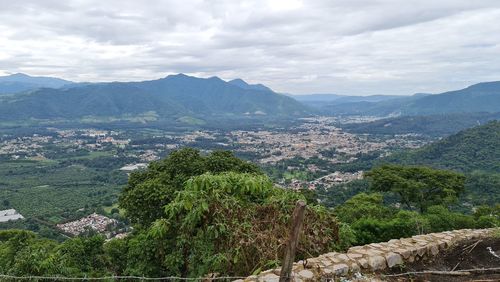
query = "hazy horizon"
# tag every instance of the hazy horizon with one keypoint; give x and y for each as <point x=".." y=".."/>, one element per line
<point x="227" y="80"/>
<point x="300" y="47"/>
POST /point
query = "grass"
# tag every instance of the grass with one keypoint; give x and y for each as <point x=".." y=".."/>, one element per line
<point x="108" y="209"/>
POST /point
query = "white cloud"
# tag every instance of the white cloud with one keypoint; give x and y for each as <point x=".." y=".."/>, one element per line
<point x="350" y="47"/>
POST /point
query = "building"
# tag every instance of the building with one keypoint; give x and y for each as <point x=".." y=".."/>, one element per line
<point x="10" y="214"/>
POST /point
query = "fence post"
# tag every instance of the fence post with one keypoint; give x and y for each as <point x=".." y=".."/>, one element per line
<point x="293" y="240"/>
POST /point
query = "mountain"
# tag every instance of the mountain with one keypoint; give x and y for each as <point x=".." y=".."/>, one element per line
<point x="20" y="82"/>
<point x="383" y="107"/>
<point x="316" y="97"/>
<point x="476" y="148"/>
<point x="244" y="85"/>
<point x="482" y="97"/>
<point x="375" y="105"/>
<point x="342" y="98"/>
<point x="432" y="125"/>
<point x="172" y="96"/>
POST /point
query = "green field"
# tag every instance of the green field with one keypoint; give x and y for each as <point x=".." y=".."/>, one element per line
<point x="51" y="191"/>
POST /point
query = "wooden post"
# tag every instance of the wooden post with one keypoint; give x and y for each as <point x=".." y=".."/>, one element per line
<point x="293" y="240"/>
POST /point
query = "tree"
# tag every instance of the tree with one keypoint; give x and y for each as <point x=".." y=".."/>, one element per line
<point x="417" y="186"/>
<point x="148" y="191"/>
<point x="233" y="224"/>
<point x="363" y="206"/>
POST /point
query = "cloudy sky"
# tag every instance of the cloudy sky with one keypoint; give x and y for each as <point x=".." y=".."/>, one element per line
<point x="295" y="46"/>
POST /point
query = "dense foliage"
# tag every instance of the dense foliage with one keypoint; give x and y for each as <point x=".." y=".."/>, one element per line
<point x="372" y="221"/>
<point x="474" y="152"/>
<point x="224" y="222"/>
<point x="477" y="148"/>
<point x="197" y="214"/>
<point x="236" y="223"/>
<point x="150" y="190"/>
<point x="417" y="186"/>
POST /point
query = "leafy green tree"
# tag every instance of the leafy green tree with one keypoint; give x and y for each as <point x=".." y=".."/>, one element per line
<point x="417" y="186"/>
<point x="150" y="190"/>
<point x="441" y="219"/>
<point x="82" y="256"/>
<point x="234" y="224"/>
<point x="116" y="250"/>
<point x="363" y="206"/>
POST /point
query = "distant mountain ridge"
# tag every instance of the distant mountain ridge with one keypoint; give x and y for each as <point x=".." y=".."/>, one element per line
<point x="182" y="95"/>
<point x="481" y="97"/>
<point x="432" y="125"/>
<point x="172" y="96"/>
<point x="20" y="82"/>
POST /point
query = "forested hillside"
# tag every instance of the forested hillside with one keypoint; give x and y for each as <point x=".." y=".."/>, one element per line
<point x="433" y="125"/>
<point x="481" y="97"/>
<point x="477" y="148"/>
<point x="196" y="214"/>
<point x="474" y="152"/>
<point x="174" y="96"/>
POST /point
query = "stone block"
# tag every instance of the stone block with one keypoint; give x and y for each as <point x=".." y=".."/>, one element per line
<point x="306" y="274"/>
<point x="393" y="259"/>
<point x="377" y="262"/>
<point x="363" y="262"/>
<point x="271" y="277"/>
<point x="354" y="256"/>
<point x="342" y="257"/>
<point x="252" y="278"/>
<point x="354" y="267"/>
<point x="341" y="269"/>
<point x="405" y="253"/>
<point x="433" y="249"/>
<point x="421" y="250"/>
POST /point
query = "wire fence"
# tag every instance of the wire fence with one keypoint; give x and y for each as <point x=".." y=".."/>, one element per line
<point x="437" y="272"/>
<point x="3" y="277"/>
<point x="116" y="278"/>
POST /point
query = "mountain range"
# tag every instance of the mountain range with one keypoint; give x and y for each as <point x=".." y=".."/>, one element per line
<point x="173" y="96"/>
<point x="177" y="96"/>
<point x="431" y="125"/>
<point x="482" y="97"/>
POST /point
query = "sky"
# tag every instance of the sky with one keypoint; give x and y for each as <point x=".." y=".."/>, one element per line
<point x="354" y="47"/>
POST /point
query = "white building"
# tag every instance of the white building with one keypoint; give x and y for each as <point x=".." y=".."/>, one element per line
<point x="10" y="214"/>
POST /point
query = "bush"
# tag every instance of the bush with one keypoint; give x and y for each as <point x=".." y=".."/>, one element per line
<point x="441" y="219"/>
<point x="235" y="224"/>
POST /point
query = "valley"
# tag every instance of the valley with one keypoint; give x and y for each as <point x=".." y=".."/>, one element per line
<point x="53" y="175"/>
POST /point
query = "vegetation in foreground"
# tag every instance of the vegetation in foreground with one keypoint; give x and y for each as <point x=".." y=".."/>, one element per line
<point x="196" y="214"/>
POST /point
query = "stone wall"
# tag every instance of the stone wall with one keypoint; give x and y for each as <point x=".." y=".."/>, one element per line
<point x="373" y="257"/>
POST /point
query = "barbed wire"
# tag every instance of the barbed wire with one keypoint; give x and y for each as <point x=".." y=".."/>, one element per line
<point x="167" y="278"/>
<point x="437" y="272"/>
<point x="229" y="278"/>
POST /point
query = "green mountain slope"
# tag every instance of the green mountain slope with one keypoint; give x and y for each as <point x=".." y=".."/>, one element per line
<point x="482" y="97"/>
<point x="477" y="148"/>
<point x="173" y="96"/>
<point x="432" y="125"/>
